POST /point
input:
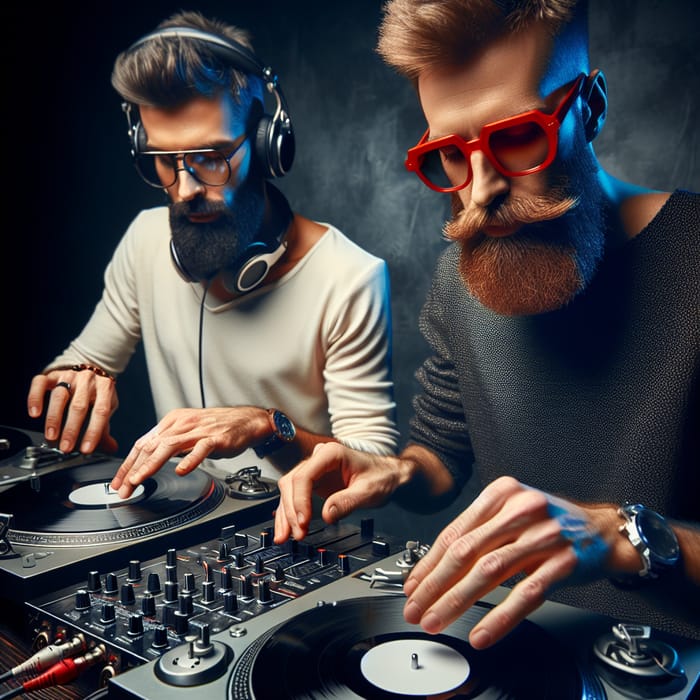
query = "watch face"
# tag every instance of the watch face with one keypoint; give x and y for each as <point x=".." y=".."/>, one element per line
<point x="285" y="427"/>
<point x="657" y="534"/>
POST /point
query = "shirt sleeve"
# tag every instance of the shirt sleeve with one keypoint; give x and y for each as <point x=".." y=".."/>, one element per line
<point x="358" y="372"/>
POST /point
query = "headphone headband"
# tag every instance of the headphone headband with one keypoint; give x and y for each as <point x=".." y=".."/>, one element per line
<point x="245" y="59"/>
<point x="274" y="140"/>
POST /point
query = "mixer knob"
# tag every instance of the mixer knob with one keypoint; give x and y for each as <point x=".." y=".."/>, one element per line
<point x="224" y="551"/>
<point x="278" y="574"/>
<point x="134" y="571"/>
<point x="171" y="591"/>
<point x="94" y="585"/>
<point x="245" y="586"/>
<point x="230" y="602"/>
<point x="109" y="615"/>
<point x="111" y="584"/>
<point x="153" y="585"/>
<point x="227" y="532"/>
<point x="183" y="614"/>
<point x="323" y="556"/>
<point x="135" y="625"/>
<point x="127" y="596"/>
<point x="238" y="558"/>
<point x="82" y="600"/>
<point x="224" y="578"/>
<point x="380" y="548"/>
<point x="258" y="565"/>
<point x="188" y="584"/>
<point x="265" y="539"/>
<point x="208" y="592"/>
<point x="148" y="605"/>
<point x="264" y="591"/>
<point x="185" y="605"/>
<point x="367" y="528"/>
<point x="160" y="637"/>
<point x="171" y="557"/>
<point x="344" y="563"/>
<point x="240" y="539"/>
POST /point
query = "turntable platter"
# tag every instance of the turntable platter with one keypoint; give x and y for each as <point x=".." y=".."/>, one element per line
<point x="75" y="506"/>
<point x="12" y="442"/>
<point x="326" y="652"/>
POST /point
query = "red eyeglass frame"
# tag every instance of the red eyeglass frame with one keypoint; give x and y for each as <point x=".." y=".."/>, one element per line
<point x="550" y="124"/>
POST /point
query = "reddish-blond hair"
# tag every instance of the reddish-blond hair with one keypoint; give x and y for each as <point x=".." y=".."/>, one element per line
<point x="416" y="35"/>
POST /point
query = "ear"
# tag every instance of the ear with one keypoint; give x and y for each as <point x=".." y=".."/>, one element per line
<point x="595" y="103"/>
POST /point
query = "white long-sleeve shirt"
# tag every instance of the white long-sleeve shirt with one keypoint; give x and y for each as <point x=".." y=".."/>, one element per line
<point x="315" y="343"/>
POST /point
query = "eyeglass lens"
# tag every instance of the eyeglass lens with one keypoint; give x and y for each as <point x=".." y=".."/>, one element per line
<point x="515" y="149"/>
<point x="160" y="169"/>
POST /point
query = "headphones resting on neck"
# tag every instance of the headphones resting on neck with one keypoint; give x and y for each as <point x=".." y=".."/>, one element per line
<point x="251" y="268"/>
<point x="274" y="135"/>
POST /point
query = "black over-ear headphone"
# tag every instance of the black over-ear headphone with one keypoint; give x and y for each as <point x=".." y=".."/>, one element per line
<point x="251" y="268"/>
<point x="274" y="136"/>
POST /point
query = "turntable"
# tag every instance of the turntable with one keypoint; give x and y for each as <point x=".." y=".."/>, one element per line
<point x="349" y="640"/>
<point x="57" y="511"/>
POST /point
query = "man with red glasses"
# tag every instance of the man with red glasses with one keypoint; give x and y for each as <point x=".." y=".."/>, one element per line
<point x="250" y="341"/>
<point x="564" y="324"/>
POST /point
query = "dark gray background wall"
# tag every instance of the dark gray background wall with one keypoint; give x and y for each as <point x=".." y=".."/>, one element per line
<point x="70" y="189"/>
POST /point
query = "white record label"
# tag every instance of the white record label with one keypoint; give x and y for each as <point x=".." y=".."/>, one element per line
<point x="414" y="667"/>
<point x="102" y="495"/>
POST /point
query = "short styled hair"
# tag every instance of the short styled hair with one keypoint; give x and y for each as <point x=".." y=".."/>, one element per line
<point x="167" y="71"/>
<point x="417" y="35"/>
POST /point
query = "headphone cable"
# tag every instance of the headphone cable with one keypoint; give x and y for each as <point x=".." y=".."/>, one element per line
<point x="201" y="339"/>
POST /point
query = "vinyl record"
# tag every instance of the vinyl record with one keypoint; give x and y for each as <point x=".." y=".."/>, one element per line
<point x="75" y="506"/>
<point x="323" y="653"/>
<point x="12" y="441"/>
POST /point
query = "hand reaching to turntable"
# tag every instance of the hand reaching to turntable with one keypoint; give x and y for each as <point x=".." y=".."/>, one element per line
<point x="195" y="433"/>
<point x="81" y="399"/>
<point x="511" y="528"/>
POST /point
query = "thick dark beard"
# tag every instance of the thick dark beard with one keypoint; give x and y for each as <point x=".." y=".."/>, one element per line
<point x="205" y="249"/>
<point x="543" y="265"/>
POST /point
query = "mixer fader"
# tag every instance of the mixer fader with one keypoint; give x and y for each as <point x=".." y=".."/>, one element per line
<point x="145" y="608"/>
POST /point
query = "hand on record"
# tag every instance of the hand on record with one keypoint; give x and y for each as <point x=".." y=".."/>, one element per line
<point x="79" y="402"/>
<point x="508" y="529"/>
<point x="195" y="433"/>
<point x="346" y="478"/>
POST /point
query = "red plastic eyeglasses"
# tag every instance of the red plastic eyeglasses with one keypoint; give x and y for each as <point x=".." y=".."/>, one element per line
<point x="519" y="145"/>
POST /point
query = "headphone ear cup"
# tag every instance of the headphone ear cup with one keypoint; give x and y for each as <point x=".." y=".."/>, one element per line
<point x="274" y="146"/>
<point x="138" y="139"/>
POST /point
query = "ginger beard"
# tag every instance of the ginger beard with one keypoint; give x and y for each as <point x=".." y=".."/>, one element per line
<point x="545" y="263"/>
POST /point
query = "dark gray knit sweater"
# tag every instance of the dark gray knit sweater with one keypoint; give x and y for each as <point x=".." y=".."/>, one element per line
<point x="597" y="402"/>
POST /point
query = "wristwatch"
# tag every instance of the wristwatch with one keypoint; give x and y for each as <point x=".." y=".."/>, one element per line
<point x="652" y="537"/>
<point x="283" y="432"/>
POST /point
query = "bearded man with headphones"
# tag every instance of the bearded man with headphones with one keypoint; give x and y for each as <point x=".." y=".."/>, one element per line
<point x="250" y="341"/>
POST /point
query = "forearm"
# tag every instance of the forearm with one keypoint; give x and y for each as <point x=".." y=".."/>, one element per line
<point x="425" y="485"/>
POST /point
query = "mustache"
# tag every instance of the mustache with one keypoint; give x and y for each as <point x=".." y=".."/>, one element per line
<point x="514" y="211"/>
<point x="198" y="205"/>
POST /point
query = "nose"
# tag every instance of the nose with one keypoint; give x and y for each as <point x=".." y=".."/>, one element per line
<point x="187" y="185"/>
<point x="487" y="183"/>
